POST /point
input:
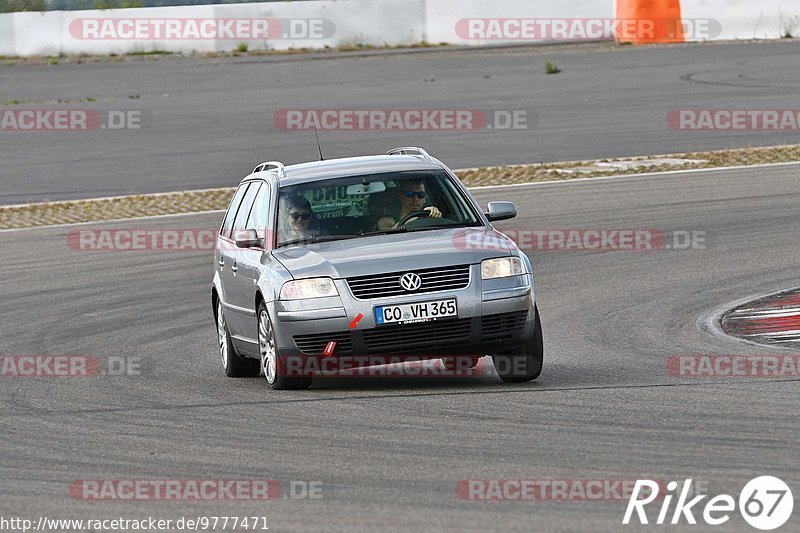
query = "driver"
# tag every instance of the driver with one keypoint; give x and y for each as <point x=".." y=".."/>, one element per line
<point x="412" y="198"/>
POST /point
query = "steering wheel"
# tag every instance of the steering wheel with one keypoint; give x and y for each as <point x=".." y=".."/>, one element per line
<point x="413" y="214"/>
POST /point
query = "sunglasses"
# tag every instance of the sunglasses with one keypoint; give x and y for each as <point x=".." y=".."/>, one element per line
<point x="411" y="194"/>
<point x="298" y="216"/>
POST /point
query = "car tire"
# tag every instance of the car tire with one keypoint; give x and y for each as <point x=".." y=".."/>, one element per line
<point x="272" y="364"/>
<point x="235" y="365"/>
<point x="525" y="363"/>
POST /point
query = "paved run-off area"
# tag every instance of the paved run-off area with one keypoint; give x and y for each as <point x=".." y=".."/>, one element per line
<point x="208" y="121"/>
<point x="183" y="202"/>
<point x="390" y="452"/>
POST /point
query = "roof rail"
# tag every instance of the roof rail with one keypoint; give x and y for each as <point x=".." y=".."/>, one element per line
<point x="410" y="150"/>
<point x="279" y="168"/>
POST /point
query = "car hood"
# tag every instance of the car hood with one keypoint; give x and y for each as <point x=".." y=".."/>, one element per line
<point x="392" y="253"/>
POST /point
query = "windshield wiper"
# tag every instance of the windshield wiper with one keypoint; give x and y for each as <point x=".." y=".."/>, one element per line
<point x="385" y="232"/>
<point x="447" y="226"/>
<point x="318" y="238"/>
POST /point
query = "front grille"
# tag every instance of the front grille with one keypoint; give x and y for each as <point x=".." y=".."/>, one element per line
<point x="433" y="279"/>
<point x="315" y="344"/>
<point x="502" y="326"/>
<point x="428" y="335"/>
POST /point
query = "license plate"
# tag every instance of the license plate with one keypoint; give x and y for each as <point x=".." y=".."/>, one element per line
<point x="416" y="312"/>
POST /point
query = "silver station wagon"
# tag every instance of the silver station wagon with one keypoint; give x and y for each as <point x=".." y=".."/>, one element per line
<point x="361" y="258"/>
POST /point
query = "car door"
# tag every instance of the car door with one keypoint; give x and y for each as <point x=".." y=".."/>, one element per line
<point x="241" y="290"/>
<point x="251" y="261"/>
<point x="224" y="252"/>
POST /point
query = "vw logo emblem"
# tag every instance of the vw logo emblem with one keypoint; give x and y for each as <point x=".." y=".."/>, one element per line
<point x="410" y="281"/>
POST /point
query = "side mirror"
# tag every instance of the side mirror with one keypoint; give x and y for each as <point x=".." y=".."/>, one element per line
<point x="247" y="238"/>
<point x="500" y="211"/>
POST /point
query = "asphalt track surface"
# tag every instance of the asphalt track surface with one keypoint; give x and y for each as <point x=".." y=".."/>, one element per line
<point x="208" y="122"/>
<point x="390" y="451"/>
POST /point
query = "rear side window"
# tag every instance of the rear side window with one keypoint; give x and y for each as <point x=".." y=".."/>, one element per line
<point x="240" y="222"/>
<point x="232" y="210"/>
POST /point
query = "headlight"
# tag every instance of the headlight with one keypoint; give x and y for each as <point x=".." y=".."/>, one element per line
<point x="303" y="289"/>
<point x="502" y="267"/>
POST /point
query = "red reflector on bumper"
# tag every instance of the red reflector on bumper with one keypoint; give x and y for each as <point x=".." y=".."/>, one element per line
<point x="329" y="349"/>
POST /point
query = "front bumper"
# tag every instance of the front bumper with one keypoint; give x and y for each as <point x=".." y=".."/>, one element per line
<point x="492" y="315"/>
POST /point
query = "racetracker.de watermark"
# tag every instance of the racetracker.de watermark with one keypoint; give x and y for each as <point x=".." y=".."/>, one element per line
<point x="734" y="366"/>
<point x="585" y="239"/>
<point x="526" y="239"/>
<point x="199" y="29"/>
<point x="734" y="119"/>
<point x="545" y="489"/>
<point x="68" y="366"/>
<point x="47" y="120"/>
<point x="149" y="523"/>
<point x="383" y="366"/>
<point x="403" y="119"/>
<point x="132" y="240"/>
<point x="195" y="489"/>
<point x="579" y="29"/>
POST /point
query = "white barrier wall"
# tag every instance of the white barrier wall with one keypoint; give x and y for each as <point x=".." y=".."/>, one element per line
<point x="8" y="45"/>
<point x="369" y="22"/>
<point x="746" y="19"/>
<point x="374" y="22"/>
<point x="442" y="16"/>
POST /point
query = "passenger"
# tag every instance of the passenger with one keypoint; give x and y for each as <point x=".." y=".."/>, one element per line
<point x="412" y="198"/>
<point x="298" y="217"/>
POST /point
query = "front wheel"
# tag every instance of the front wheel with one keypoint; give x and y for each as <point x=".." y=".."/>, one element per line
<point x="235" y="365"/>
<point x="525" y="363"/>
<point x="272" y="366"/>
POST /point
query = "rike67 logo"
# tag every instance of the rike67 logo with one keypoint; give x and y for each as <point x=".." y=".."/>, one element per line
<point x="765" y="503"/>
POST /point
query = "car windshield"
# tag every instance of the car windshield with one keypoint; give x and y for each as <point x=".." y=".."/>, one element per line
<point x="359" y="206"/>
